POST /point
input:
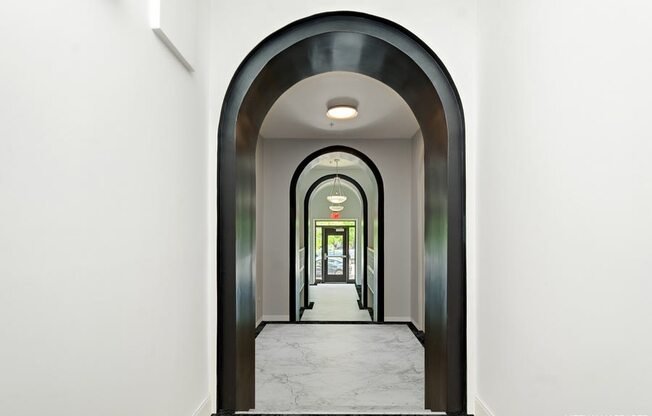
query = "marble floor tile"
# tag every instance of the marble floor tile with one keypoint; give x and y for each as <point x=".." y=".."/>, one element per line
<point x="334" y="302"/>
<point x="339" y="368"/>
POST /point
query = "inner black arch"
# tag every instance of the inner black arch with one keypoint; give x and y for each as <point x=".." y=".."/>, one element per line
<point x="380" y="275"/>
<point x="354" y="42"/>
<point x="365" y="238"/>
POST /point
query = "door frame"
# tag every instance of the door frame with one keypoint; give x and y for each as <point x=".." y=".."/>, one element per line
<point x="356" y="227"/>
<point x="345" y="246"/>
<point x="355" y="42"/>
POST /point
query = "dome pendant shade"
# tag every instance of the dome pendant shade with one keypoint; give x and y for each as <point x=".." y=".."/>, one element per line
<point x="336" y="199"/>
<point x="336" y="196"/>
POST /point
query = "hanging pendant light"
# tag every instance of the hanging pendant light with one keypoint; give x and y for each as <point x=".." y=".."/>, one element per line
<point x="336" y="196"/>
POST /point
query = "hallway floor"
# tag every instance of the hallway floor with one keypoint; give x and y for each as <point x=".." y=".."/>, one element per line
<point x="334" y="302"/>
<point x="339" y="368"/>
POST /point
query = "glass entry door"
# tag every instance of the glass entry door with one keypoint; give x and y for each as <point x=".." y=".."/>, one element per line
<point x="335" y="262"/>
<point x="321" y="249"/>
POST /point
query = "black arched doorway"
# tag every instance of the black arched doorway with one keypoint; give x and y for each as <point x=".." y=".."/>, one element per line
<point x="380" y="49"/>
<point x="365" y="242"/>
<point x="380" y="275"/>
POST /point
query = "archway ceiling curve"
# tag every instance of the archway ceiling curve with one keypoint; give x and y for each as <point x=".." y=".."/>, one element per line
<point x="324" y="164"/>
<point x="364" y="54"/>
<point x="300" y="112"/>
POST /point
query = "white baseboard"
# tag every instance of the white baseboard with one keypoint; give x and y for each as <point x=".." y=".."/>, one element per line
<point x="204" y="408"/>
<point x="481" y="409"/>
<point x="259" y="321"/>
<point x="270" y="318"/>
<point x="398" y="319"/>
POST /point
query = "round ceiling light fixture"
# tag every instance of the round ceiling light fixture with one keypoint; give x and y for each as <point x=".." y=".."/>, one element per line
<point x="342" y="112"/>
<point x="336" y="208"/>
<point x="342" y="108"/>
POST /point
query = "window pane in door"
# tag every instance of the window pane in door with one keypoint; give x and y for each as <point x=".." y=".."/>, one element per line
<point x="335" y="266"/>
<point x="335" y="245"/>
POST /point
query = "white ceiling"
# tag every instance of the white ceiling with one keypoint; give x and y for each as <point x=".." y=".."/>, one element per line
<point x="324" y="164"/>
<point x="300" y="113"/>
<point x="327" y="161"/>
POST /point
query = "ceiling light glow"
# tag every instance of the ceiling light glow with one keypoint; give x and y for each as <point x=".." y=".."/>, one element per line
<point x="342" y="112"/>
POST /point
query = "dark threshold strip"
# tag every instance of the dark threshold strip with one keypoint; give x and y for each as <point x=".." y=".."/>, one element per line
<point x="420" y="335"/>
<point x="325" y="413"/>
<point x="302" y="309"/>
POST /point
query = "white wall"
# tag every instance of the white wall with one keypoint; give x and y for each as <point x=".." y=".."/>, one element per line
<point x="447" y="26"/>
<point x="393" y="158"/>
<point x="565" y="196"/>
<point x="103" y="205"/>
<point x="103" y="214"/>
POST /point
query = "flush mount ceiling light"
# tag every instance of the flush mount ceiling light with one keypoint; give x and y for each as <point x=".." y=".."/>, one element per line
<point x="342" y="112"/>
<point x="336" y="208"/>
<point x="342" y="108"/>
<point x="336" y="196"/>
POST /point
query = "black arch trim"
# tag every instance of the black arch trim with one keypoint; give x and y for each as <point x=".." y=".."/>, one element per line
<point x="380" y="276"/>
<point x="365" y="235"/>
<point x="356" y="42"/>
